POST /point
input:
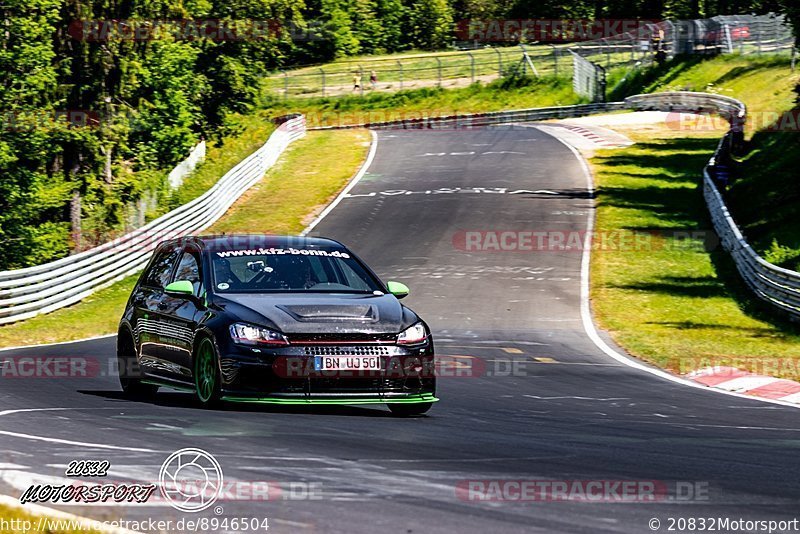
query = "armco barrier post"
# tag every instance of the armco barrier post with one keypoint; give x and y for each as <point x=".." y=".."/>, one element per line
<point x="471" y="67"/>
<point x="400" y="69"/>
<point x="777" y="287"/>
<point x="555" y="60"/>
<point x="608" y="52"/>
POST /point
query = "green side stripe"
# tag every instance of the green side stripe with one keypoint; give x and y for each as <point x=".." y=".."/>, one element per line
<point x="416" y="399"/>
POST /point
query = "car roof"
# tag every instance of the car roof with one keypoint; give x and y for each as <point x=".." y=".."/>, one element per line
<point x="240" y="241"/>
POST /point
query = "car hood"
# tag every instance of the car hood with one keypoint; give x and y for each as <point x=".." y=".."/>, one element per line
<point x="321" y="313"/>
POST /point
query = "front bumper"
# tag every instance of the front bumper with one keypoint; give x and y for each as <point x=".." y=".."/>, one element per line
<point x="286" y="375"/>
<point x="323" y="400"/>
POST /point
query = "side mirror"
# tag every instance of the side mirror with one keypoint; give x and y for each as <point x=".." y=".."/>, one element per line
<point x="180" y="288"/>
<point x="397" y="289"/>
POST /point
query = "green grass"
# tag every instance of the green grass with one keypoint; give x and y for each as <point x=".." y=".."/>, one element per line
<point x="414" y="69"/>
<point x="762" y="83"/>
<point x="680" y="306"/>
<point x="674" y="303"/>
<point x="15" y="517"/>
<point x="249" y="132"/>
<point x="309" y="175"/>
<point x="505" y="93"/>
<point x="95" y="315"/>
<point x="765" y="195"/>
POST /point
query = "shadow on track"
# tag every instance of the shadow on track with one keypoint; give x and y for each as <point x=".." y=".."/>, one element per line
<point x="186" y="400"/>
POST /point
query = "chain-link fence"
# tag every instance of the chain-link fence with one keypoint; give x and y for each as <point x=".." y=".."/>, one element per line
<point x="588" y="79"/>
<point x="588" y="61"/>
<point x="450" y="70"/>
<point x="654" y="43"/>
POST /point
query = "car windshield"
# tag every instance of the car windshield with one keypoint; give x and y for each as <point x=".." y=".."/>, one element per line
<point x="290" y="269"/>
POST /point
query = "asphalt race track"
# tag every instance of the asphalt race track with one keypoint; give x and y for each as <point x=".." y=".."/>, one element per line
<point x="531" y="396"/>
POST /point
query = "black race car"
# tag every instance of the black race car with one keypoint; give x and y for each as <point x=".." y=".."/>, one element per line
<point x="282" y="320"/>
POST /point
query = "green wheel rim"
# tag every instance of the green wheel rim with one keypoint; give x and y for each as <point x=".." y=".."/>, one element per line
<point x="206" y="377"/>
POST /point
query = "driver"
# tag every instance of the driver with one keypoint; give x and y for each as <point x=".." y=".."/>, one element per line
<point x="298" y="274"/>
<point x="223" y="274"/>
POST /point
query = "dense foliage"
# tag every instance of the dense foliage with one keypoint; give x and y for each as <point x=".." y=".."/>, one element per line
<point x="100" y="97"/>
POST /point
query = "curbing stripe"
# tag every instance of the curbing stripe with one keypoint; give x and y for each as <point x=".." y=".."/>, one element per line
<point x="746" y="383"/>
<point x="792" y="398"/>
<point x="588" y="321"/>
<point x="778" y="389"/>
<point x="750" y="384"/>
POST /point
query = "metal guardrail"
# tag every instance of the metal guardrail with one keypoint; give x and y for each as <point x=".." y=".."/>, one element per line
<point x="775" y="285"/>
<point x="187" y="166"/>
<point x="729" y="108"/>
<point x="478" y="120"/>
<point x="779" y="287"/>
<point x="25" y="293"/>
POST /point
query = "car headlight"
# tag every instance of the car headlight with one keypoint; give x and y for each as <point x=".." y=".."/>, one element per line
<point x="412" y="335"/>
<point x="247" y="334"/>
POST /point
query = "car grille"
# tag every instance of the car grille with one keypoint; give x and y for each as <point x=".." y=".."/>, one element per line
<point x="367" y="385"/>
<point x="341" y="339"/>
<point x="346" y="350"/>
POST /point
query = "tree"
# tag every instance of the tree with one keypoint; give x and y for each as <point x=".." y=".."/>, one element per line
<point x="430" y="24"/>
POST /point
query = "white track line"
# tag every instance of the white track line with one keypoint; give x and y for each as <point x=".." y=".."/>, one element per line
<point x="586" y="311"/>
<point x="81" y="444"/>
<point x="57" y="343"/>
<point x="370" y="156"/>
<point x="47" y="439"/>
<point x="361" y="172"/>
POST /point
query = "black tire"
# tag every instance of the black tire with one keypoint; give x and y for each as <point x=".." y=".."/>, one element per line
<point x="207" y="386"/>
<point x="130" y="374"/>
<point x="409" y="410"/>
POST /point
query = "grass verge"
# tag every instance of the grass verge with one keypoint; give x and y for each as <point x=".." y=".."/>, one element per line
<point x="763" y="83"/>
<point x="510" y="92"/>
<point x="247" y="134"/>
<point x="17" y="520"/>
<point x="669" y="300"/>
<point x="309" y="175"/>
<point x="413" y="69"/>
<point x="313" y="171"/>
<point x="766" y="192"/>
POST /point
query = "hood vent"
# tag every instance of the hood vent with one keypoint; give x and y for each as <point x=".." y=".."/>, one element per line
<point x="331" y="313"/>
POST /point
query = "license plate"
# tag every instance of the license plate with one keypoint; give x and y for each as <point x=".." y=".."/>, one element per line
<point x="347" y="363"/>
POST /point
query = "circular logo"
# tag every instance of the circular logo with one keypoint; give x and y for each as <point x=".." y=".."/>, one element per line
<point x="190" y="479"/>
<point x="223" y="286"/>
